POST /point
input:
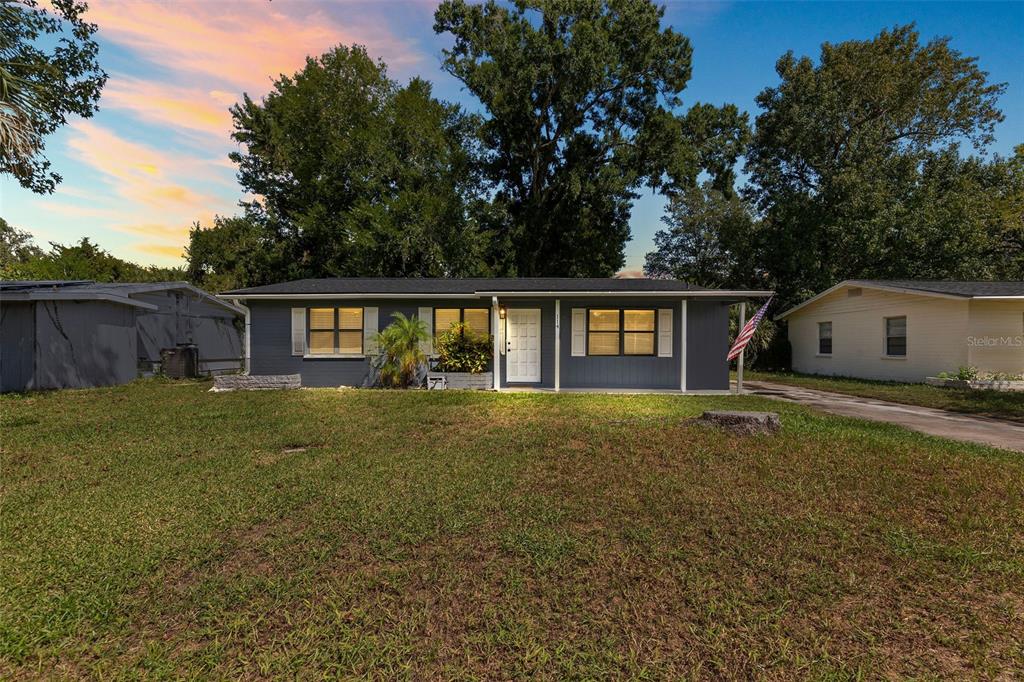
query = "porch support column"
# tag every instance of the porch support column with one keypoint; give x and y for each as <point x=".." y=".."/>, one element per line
<point x="497" y="351"/>
<point x="558" y="345"/>
<point x="739" y="363"/>
<point x="682" y="346"/>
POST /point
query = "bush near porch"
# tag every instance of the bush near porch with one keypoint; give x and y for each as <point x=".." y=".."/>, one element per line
<point x="159" y="530"/>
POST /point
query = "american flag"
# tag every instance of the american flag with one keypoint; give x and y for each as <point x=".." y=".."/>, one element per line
<point x="747" y="332"/>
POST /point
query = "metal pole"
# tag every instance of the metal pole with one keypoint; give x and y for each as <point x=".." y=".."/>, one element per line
<point x="739" y="364"/>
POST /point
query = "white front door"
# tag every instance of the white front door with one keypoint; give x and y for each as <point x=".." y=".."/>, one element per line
<point x="523" y="345"/>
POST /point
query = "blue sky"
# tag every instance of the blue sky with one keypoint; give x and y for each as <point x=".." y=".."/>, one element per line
<point x="154" y="159"/>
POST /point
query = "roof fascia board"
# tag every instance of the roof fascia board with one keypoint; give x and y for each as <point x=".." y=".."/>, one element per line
<point x="270" y="297"/>
<point x="679" y="293"/>
<point x="509" y="294"/>
<point x="877" y="287"/>
<point x="90" y="296"/>
<point x="996" y="298"/>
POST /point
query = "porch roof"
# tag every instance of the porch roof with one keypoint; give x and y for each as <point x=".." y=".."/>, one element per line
<point x="496" y="286"/>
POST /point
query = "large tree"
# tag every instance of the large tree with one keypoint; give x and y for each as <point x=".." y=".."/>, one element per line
<point x="354" y="175"/>
<point x="48" y="71"/>
<point x="844" y="155"/>
<point x="581" y="100"/>
<point x="701" y="225"/>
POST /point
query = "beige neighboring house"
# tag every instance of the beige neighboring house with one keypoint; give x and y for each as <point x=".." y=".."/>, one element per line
<point x="906" y="330"/>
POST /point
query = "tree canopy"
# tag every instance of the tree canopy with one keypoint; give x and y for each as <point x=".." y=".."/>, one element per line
<point x="21" y="258"/>
<point x="855" y="171"/>
<point x="48" y="71"/>
<point x="353" y="175"/>
<point x="581" y="100"/>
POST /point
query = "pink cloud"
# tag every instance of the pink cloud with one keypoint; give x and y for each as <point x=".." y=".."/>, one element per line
<point x="193" y="109"/>
<point x="239" y="45"/>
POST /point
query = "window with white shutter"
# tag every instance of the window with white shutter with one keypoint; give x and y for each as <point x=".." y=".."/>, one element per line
<point x="664" y="332"/>
<point x="579" y="332"/>
<point x="427" y="315"/>
<point x="298" y="331"/>
<point x="370" y="330"/>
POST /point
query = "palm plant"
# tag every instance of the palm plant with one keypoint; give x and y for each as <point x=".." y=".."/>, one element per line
<point x="399" y="344"/>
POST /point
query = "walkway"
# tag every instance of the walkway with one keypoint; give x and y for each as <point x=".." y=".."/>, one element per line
<point x="962" y="427"/>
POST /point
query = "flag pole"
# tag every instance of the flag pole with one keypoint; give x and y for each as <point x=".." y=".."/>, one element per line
<point x="739" y="362"/>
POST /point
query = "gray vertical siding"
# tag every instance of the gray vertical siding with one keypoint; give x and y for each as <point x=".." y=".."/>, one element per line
<point x="83" y="343"/>
<point x="622" y="371"/>
<point x="707" y="341"/>
<point x="183" y="317"/>
<point x="271" y="326"/>
<point x="17" y="344"/>
<point x="707" y="344"/>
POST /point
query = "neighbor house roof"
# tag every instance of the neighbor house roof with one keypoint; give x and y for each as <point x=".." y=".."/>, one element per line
<point x="505" y="286"/>
<point x="936" y="288"/>
<point x="87" y="290"/>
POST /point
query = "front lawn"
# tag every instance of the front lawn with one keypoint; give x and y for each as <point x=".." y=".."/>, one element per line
<point x="158" y="530"/>
<point x="998" y="404"/>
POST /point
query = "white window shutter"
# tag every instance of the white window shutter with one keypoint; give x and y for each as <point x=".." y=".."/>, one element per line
<point x="579" y="331"/>
<point x="664" y="332"/>
<point x="298" y="331"/>
<point x="370" y="331"/>
<point x="427" y="315"/>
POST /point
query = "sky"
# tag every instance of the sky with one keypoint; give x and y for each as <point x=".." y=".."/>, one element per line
<point x="154" y="159"/>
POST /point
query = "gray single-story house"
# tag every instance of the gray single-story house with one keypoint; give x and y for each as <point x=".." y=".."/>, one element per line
<point x="554" y="333"/>
<point x="79" y="333"/>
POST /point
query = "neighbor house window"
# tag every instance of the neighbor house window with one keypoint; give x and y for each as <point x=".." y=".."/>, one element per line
<point x="335" y="331"/>
<point x="625" y="332"/>
<point x="896" y="336"/>
<point x="476" y="319"/>
<point x="825" y="338"/>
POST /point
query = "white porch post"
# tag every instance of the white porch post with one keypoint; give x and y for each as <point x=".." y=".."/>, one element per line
<point x="497" y="351"/>
<point x="739" y="363"/>
<point x="558" y="345"/>
<point x="682" y="346"/>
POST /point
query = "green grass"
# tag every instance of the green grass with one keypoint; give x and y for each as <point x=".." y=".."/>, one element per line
<point x="998" y="404"/>
<point x="157" y="530"/>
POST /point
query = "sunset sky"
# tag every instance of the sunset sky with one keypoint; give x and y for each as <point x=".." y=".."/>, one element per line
<point x="154" y="159"/>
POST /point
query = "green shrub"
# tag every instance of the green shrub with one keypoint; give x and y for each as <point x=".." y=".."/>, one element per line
<point x="460" y="349"/>
<point x="400" y="350"/>
<point x="967" y="373"/>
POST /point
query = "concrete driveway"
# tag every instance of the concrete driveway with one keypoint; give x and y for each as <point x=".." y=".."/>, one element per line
<point x="962" y="427"/>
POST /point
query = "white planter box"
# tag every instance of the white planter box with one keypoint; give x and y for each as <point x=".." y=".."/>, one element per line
<point x="977" y="384"/>
<point x="462" y="380"/>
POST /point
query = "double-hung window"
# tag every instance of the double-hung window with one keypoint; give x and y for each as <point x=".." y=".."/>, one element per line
<point x="335" y="331"/>
<point x="477" y="320"/>
<point x="896" y="337"/>
<point x="620" y="332"/>
<point x="824" y="338"/>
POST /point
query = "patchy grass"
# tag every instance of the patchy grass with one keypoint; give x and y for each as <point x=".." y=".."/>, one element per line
<point x="998" y="404"/>
<point x="158" y="530"/>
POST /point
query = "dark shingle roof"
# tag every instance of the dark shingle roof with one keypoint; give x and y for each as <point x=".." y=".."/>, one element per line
<point x="410" y="285"/>
<point x="966" y="289"/>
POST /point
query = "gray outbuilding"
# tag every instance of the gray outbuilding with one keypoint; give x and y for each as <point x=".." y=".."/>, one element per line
<point x="77" y="334"/>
